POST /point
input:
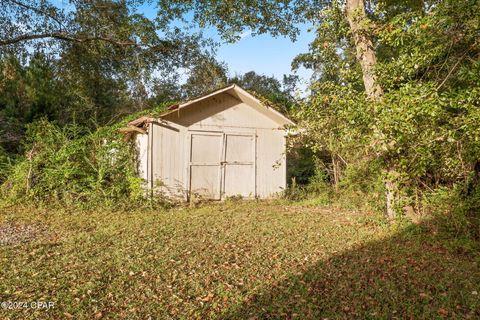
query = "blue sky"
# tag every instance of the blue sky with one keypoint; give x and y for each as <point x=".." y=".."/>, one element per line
<point x="263" y="54"/>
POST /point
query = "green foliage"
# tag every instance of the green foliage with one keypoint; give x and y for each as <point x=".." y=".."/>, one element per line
<point x="231" y="18"/>
<point x="308" y="178"/>
<point x="335" y="118"/>
<point x="454" y="212"/>
<point x="301" y="164"/>
<point x="26" y="93"/>
<point x="86" y="62"/>
<point x="424" y="132"/>
<point x="280" y="93"/>
<point x="73" y="165"/>
<point x="207" y="75"/>
<point x="114" y="37"/>
<point x="332" y="53"/>
<point x="70" y="166"/>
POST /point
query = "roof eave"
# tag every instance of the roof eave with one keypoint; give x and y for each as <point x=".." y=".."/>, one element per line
<point x="239" y="92"/>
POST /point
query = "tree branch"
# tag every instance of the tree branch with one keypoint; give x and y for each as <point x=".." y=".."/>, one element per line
<point x="37" y="10"/>
<point x="453" y="69"/>
<point x="66" y="37"/>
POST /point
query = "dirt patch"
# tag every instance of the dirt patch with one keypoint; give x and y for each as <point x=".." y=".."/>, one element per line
<point x="12" y="234"/>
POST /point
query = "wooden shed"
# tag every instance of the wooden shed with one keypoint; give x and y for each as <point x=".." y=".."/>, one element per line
<point x="223" y="144"/>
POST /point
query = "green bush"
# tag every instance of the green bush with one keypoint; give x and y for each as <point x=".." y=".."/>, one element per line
<point x="453" y="211"/>
<point x="73" y="167"/>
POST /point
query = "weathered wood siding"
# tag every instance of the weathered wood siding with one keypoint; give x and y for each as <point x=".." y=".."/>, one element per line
<point x="218" y="147"/>
<point x="221" y="112"/>
<point x="271" y="162"/>
<point x="141" y="146"/>
<point x="168" y="160"/>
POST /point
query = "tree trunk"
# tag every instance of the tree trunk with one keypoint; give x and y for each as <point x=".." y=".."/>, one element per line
<point x="366" y="56"/>
<point x="365" y="53"/>
<point x="335" y="173"/>
<point x="390" y="197"/>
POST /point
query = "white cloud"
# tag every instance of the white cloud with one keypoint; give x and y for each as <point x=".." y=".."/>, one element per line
<point x="245" y="34"/>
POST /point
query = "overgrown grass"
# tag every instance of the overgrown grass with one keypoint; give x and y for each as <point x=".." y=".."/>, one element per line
<point x="242" y="260"/>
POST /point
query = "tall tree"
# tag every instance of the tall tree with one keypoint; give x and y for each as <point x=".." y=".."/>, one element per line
<point x="113" y="37"/>
<point x="26" y="94"/>
<point x="46" y="24"/>
<point x="365" y="52"/>
<point x="281" y="93"/>
<point x="101" y="56"/>
<point x="204" y="76"/>
<point x="366" y="56"/>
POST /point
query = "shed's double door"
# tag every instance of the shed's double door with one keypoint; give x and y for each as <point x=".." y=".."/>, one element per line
<point x="222" y="165"/>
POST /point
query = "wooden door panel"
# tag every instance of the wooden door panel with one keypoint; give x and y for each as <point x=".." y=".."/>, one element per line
<point x="238" y="180"/>
<point x="206" y="151"/>
<point x="239" y="148"/>
<point x="205" y="181"/>
<point x="239" y="166"/>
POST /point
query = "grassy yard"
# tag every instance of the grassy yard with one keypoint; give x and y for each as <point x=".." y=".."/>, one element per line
<point x="236" y="260"/>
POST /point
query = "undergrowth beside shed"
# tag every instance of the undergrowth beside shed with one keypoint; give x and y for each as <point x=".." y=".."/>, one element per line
<point x="70" y="166"/>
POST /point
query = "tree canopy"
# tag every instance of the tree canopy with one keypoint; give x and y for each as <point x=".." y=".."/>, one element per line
<point x="87" y="62"/>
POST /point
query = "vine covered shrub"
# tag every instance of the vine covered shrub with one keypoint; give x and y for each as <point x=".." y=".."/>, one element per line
<point x="455" y="212"/>
<point x="73" y="167"/>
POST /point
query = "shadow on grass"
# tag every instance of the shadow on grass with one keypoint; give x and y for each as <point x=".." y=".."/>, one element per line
<point x="408" y="276"/>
